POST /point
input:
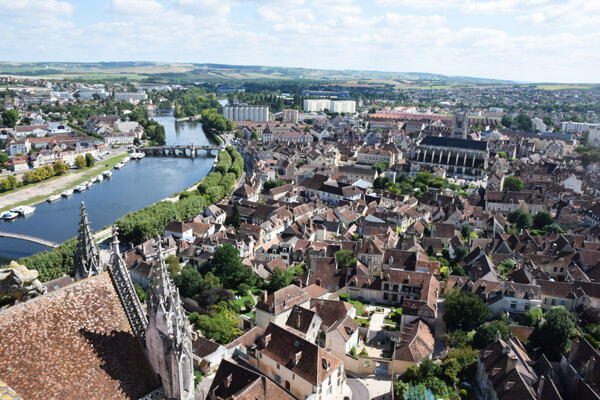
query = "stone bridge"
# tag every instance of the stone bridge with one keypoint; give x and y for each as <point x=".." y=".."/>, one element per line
<point x="29" y="238"/>
<point x="181" y="150"/>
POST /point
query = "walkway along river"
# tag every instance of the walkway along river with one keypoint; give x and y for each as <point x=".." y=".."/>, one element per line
<point x="137" y="185"/>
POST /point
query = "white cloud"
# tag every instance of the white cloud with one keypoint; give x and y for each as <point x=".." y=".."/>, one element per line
<point x="204" y="8"/>
<point x="136" y="7"/>
<point x="50" y="8"/>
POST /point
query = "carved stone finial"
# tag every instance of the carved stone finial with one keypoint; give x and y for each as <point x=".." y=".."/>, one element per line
<point x="115" y="230"/>
<point x="20" y="282"/>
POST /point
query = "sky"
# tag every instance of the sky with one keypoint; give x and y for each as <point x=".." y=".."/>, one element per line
<point x="521" y="40"/>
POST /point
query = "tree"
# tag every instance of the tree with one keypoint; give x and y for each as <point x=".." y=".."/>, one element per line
<point x="513" y="184"/>
<point x="542" y="219"/>
<point x="531" y="317"/>
<point x="524" y="122"/>
<point x="60" y="167"/>
<point x="254" y="135"/>
<point x="345" y="258"/>
<point x="381" y="166"/>
<point x="460" y="253"/>
<point x="80" y="161"/>
<point x="523" y="221"/>
<point x="268" y="185"/>
<point x="279" y="279"/>
<point x="173" y="266"/>
<point x="423" y="177"/>
<point x="466" y="231"/>
<point x="380" y="182"/>
<point x="501" y="154"/>
<point x="227" y="265"/>
<point x="89" y="160"/>
<point x="554" y="336"/>
<point x="487" y="333"/>
<point x="140" y="292"/>
<point x="10" y="118"/>
<point x="457" y="339"/>
<point x="235" y="218"/>
<point x="189" y="281"/>
<point x="136" y="141"/>
<point x="218" y="327"/>
<point x="464" y="310"/>
<point x="507" y="121"/>
<point x="553" y="228"/>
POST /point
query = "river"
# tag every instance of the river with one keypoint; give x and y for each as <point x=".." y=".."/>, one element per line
<point x="137" y="185"/>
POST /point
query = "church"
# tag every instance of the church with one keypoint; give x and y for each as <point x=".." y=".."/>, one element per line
<point x="92" y="339"/>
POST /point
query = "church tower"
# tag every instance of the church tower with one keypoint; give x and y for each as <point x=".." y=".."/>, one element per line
<point x="168" y="336"/>
<point x="86" y="261"/>
<point x="131" y="302"/>
<point x="460" y="128"/>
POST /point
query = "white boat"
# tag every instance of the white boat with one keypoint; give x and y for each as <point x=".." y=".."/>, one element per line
<point x="54" y="198"/>
<point x="137" y="156"/>
<point x="88" y="184"/>
<point x="80" y="188"/>
<point x="10" y="215"/>
<point x="119" y="165"/>
<point x="99" y="178"/>
<point x="67" y="193"/>
<point x="126" y="160"/>
<point x="27" y="210"/>
<point x="107" y="174"/>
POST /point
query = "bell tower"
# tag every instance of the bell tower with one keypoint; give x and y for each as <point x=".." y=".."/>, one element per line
<point x="460" y="127"/>
<point x="86" y="261"/>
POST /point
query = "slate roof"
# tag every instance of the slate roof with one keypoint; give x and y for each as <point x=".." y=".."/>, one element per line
<point x="454" y="143"/>
<point x="73" y="343"/>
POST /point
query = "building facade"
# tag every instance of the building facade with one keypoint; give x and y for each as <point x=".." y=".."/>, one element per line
<point x="244" y="112"/>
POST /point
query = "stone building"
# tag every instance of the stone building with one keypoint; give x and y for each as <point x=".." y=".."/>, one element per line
<point x="460" y="158"/>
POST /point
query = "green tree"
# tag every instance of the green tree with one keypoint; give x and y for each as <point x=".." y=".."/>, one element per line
<point x="218" y="327"/>
<point x="524" y="122"/>
<point x="89" y="159"/>
<point x="457" y="339"/>
<point x="554" y="336"/>
<point x="464" y="310"/>
<point x="345" y="258"/>
<point x="466" y="231"/>
<point x="235" y="218"/>
<point x="423" y="177"/>
<point x="487" y="333"/>
<point x="80" y="161"/>
<point x="501" y="154"/>
<point x="531" y="317"/>
<point x="141" y="293"/>
<point x="513" y="184"/>
<point x="173" y="265"/>
<point x="507" y="121"/>
<point x="268" y="185"/>
<point x="60" y="167"/>
<point x="188" y="281"/>
<point x="227" y="265"/>
<point x="460" y="253"/>
<point x="523" y="221"/>
<point x="553" y="228"/>
<point x="381" y="166"/>
<point x="279" y="279"/>
<point x="542" y="219"/>
<point x="10" y="118"/>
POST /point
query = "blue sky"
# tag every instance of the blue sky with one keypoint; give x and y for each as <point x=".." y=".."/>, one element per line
<point x="524" y="40"/>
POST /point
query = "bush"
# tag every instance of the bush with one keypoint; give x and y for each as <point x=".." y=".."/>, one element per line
<point x="463" y="393"/>
<point x="344" y="297"/>
<point x="593" y="342"/>
<point x="353" y="352"/>
<point x="243" y="289"/>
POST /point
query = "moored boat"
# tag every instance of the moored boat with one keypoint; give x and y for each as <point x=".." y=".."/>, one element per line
<point x="10" y="215"/>
<point x="80" y="188"/>
<point x="67" y="193"/>
<point x="54" y="198"/>
<point x="27" y="210"/>
<point x="107" y="174"/>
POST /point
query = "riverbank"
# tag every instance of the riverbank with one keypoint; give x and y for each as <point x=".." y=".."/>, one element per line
<point x="38" y="193"/>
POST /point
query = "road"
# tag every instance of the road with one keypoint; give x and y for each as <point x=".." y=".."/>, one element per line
<point x="359" y="390"/>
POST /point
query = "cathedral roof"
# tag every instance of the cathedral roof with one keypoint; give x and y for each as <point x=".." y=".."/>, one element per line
<point x="75" y="342"/>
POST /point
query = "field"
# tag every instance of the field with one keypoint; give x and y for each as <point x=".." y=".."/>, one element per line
<point x="550" y="86"/>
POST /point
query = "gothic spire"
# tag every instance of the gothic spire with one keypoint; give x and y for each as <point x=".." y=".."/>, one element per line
<point x="161" y="284"/>
<point x="86" y="261"/>
<point x="122" y="280"/>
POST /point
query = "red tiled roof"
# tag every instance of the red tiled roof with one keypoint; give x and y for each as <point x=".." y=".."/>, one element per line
<point x="73" y="343"/>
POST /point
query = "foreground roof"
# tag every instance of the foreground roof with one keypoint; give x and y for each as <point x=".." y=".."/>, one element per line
<point x="75" y="342"/>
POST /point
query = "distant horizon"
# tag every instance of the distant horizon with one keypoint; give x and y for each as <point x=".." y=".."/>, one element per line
<point x="531" y="41"/>
<point x="501" y="81"/>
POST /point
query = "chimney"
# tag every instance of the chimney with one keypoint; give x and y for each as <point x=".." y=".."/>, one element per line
<point x="298" y="320"/>
<point x="318" y="281"/>
<point x="297" y="357"/>
<point x="511" y="363"/>
<point x="266" y="339"/>
<point x="589" y="369"/>
<point x="263" y="296"/>
<point x="227" y="381"/>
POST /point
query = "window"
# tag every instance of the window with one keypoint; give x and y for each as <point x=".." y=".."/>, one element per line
<point x="277" y="379"/>
<point x="278" y="366"/>
<point x="259" y="355"/>
<point x="553" y="302"/>
<point x="513" y="306"/>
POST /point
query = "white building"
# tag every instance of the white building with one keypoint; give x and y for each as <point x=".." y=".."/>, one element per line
<point x="340" y="106"/>
<point x="244" y="112"/>
<point x="572" y="183"/>
<point x="290" y="116"/>
<point x="578" y="127"/>
<point x="539" y="125"/>
<point x="131" y="96"/>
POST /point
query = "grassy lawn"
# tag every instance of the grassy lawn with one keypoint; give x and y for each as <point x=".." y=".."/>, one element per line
<point x="241" y="301"/>
<point x="358" y="305"/>
<point x="82" y="176"/>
